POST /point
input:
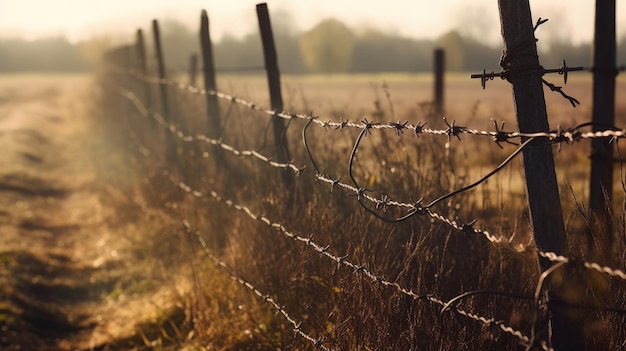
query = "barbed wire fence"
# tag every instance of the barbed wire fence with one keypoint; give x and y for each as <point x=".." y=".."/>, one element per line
<point x="530" y="336"/>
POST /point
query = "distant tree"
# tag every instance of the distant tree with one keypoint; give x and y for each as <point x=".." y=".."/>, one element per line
<point x="179" y="42"/>
<point x="48" y="54"/>
<point x="328" y="47"/>
<point x="453" y="44"/>
<point x="92" y="49"/>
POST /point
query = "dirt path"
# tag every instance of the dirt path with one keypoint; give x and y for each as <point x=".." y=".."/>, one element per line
<point x="70" y="272"/>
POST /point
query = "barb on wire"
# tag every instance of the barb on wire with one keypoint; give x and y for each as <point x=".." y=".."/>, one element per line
<point x="507" y="71"/>
<point x="317" y="342"/>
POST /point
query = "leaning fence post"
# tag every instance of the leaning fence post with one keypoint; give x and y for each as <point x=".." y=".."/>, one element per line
<point x="171" y="142"/>
<point x="603" y="115"/>
<point x="142" y="62"/>
<point x="273" y="79"/>
<point x="439" y="64"/>
<point x="208" y="65"/>
<point x="546" y="215"/>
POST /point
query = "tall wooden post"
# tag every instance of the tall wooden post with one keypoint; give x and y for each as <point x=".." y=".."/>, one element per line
<point x="170" y="145"/>
<point x="541" y="185"/>
<point x="601" y="182"/>
<point x="142" y="64"/>
<point x="208" y="65"/>
<point x="439" y="64"/>
<point x="273" y="79"/>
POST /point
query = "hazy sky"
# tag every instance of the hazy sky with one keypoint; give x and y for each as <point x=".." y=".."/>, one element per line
<point x="79" y="19"/>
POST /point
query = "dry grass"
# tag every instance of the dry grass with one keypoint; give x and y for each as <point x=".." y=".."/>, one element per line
<point x="338" y="305"/>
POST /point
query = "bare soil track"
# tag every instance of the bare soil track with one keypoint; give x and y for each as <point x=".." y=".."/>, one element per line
<point x="70" y="274"/>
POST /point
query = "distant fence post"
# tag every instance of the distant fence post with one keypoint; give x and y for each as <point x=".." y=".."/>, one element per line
<point x="170" y="141"/>
<point x="193" y="69"/>
<point x="127" y="59"/>
<point x="439" y="66"/>
<point x="541" y="185"/>
<point x="208" y="68"/>
<point x="142" y="64"/>
<point x="273" y="79"/>
<point x="603" y="115"/>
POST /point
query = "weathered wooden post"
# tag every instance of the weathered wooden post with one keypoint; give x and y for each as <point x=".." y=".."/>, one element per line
<point x="142" y="64"/>
<point x="170" y="145"/>
<point x="208" y="66"/>
<point x="603" y="115"/>
<point x="439" y="66"/>
<point x="273" y="79"/>
<point x="193" y="69"/>
<point x="522" y="64"/>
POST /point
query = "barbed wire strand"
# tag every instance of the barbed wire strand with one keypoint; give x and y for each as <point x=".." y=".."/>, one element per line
<point x="567" y="135"/>
<point x="317" y="342"/>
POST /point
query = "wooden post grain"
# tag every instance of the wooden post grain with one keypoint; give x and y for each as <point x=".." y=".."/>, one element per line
<point x="273" y="79"/>
<point x="601" y="181"/>
<point x="170" y="145"/>
<point x="541" y="185"/>
<point x="208" y="68"/>
<point x="439" y="64"/>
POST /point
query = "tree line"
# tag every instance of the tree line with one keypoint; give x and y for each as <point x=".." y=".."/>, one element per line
<point x="329" y="47"/>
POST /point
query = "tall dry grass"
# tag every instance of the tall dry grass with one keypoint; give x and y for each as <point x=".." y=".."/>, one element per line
<point x="339" y="306"/>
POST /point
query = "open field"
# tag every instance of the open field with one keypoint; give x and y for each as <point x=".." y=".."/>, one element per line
<point x="107" y="245"/>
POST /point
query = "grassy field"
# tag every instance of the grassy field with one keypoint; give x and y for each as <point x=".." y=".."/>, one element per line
<point x="176" y="225"/>
<point x="338" y="305"/>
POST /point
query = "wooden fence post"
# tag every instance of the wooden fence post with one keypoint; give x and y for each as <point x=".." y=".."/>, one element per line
<point x="193" y="69"/>
<point x="208" y="67"/>
<point x="601" y="180"/>
<point x="541" y="185"/>
<point x="170" y="145"/>
<point x="142" y="64"/>
<point x="273" y="79"/>
<point x="439" y="64"/>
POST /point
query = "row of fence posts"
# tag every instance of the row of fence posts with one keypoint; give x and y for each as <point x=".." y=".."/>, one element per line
<point x="208" y="70"/>
<point x="135" y="58"/>
<point x="517" y="29"/>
